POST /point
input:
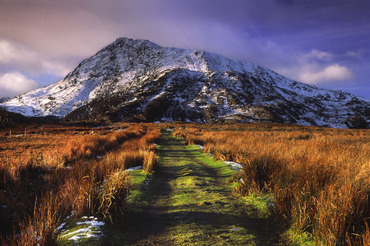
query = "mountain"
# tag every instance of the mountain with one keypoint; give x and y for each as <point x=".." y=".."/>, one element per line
<point x="4" y="99"/>
<point x="140" y="80"/>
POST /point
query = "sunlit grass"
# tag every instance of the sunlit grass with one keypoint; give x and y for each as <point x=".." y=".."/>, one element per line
<point x="67" y="171"/>
<point x="319" y="177"/>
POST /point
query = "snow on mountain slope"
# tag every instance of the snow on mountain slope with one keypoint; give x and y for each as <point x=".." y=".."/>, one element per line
<point x="137" y="79"/>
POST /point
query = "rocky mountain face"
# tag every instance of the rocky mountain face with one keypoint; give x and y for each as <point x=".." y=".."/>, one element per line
<point x="4" y="99"/>
<point x="137" y="80"/>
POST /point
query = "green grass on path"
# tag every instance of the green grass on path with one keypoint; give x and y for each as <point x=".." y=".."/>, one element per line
<point x="188" y="201"/>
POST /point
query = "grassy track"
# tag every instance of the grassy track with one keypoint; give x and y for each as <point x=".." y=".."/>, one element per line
<point x="189" y="202"/>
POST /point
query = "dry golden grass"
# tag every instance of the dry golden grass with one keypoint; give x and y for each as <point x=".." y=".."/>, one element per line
<point x="320" y="178"/>
<point x="59" y="171"/>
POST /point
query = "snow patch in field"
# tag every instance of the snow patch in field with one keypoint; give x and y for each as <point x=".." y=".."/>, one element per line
<point x="59" y="228"/>
<point x="146" y="183"/>
<point x="92" y="222"/>
<point x="199" y="146"/>
<point x="270" y="203"/>
<point x="85" y="233"/>
<point x="133" y="168"/>
<point x="91" y="229"/>
<point x="234" y="165"/>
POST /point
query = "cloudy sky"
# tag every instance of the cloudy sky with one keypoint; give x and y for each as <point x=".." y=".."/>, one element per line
<point x="321" y="42"/>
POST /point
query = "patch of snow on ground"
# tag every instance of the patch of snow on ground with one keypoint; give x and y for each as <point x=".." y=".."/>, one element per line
<point x="92" y="222"/>
<point x="199" y="146"/>
<point x="59" y="228"/>
<point x="85" y="233"/>
<point x="133" y="168"/>
<point x="93" y="229"/>
<point x="234" y="165"/>
<point x="146" y="183"/>
<point x="270" y="203"/>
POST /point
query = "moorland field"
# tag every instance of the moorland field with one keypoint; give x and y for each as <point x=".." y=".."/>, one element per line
<point x="315" y="181"/>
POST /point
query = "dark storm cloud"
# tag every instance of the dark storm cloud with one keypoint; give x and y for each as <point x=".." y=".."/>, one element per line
<point x="288" y="36"/>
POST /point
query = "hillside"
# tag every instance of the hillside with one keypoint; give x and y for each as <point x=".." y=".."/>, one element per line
<point x="137" y="80"/>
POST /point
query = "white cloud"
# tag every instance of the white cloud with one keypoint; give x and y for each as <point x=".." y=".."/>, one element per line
<point x="10" y="52"/>
<point x="316" y="67"/>
<point x="355" y="54"/>
<point x="55" y="68"/>
<point x="15" y="83"/>
<point x="316" y="75"/>
<point x="19" y="57"/>
<point x="320" y="55"/>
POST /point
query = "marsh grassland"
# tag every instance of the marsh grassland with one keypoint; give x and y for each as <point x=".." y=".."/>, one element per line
<point x="296" y="185"/>
<point x="319" y="178"/>
<point x="48" y="173"/>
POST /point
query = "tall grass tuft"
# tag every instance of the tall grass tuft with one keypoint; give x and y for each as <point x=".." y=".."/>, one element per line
<point x="112" y="195"/>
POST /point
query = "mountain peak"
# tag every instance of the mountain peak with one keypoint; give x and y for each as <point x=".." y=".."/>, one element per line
<point x="140" y="80"/>
<point x="124" y="42"/>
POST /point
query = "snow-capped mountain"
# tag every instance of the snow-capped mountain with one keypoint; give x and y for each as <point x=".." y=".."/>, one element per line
<point x="4" y="99"/>
<point x="139" y="80"/>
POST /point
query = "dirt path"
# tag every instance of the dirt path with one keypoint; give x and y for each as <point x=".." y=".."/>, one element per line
<point x="189" y="202"/>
